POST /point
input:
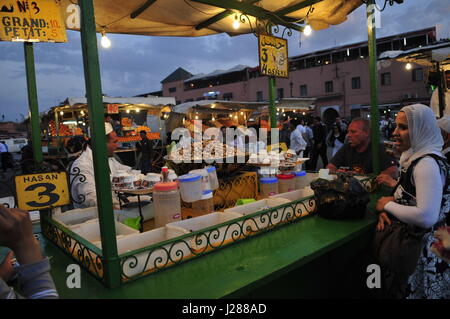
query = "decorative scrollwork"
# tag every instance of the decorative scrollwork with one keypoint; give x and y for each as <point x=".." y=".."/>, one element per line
<point x="76" y="176"/>
<point x="88" y="259"/>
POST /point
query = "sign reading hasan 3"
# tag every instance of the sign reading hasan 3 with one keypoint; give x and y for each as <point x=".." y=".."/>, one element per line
<point x="273" y="56"/>
<point x="38" y="191"/>
<point x="38" y="20"/>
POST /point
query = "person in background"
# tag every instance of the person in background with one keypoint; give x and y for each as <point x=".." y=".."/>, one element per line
<point x="336" y="138"/>
<point x="32" y="272"/>
<point x="340" y="124"/>
<point x="4" y="156"/>
<point x="285" y="135"/>
<point x="298" y="144"/>
<point x="319" y="147"/>
<point x="308" y="137"/>
<point x="145" y="148"/>
<point x="356" y="155"/>
<point x="115" y="124"/>
<point x="420" y="198"/>
<point x="444" y="125"/>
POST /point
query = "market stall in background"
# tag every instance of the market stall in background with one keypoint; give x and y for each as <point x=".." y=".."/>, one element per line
<point x="128" y="116"/>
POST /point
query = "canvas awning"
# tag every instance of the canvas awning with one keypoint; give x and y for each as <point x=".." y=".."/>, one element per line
<point x="426" y="56"/>
<point x="217" y="106"/>
<point x="204" y="17"/>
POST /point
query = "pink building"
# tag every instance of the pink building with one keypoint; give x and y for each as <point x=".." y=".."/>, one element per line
<point x="337" y="77"/>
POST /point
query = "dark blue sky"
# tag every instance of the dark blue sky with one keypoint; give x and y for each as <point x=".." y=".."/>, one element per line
<point x="136" y="64"/>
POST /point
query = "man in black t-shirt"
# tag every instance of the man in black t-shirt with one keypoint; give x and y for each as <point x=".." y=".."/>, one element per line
<point x="356" y="155"/>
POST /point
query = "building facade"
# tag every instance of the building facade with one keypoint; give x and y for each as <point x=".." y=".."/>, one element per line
<point x="338" y="78"/>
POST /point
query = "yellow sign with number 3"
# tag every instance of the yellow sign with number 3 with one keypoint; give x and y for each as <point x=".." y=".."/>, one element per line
<point x="39" y="191"/>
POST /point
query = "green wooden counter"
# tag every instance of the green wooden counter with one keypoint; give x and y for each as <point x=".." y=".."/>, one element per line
<point x="312" y="257"/>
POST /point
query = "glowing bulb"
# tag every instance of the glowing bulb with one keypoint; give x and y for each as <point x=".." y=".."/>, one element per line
<point x="213" y="106"/>
<point x="82" y="112"/>
<point x="137" y="110"/>
<point x="236" y="23"/>
<point x="278" y="114"/>
<point x="128" y="111"/>
<point x="282" y="110"/>
<point x="293" y="111"/>
<point x="231" y="115"/>
<point x="106" y="43"/>
<point x="235" y="117"/>
<point x="213" y="119"/>
<point x="61" y="113"/>
<point x="196" y="117"/>
<point x="307" y="31"/>
<point x="408" y="66"/>
<point x="242" y="113"/>
<point x="304" y="113"/>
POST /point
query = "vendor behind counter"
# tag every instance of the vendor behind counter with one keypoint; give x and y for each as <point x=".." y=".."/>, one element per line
<point x="83" y="189"/>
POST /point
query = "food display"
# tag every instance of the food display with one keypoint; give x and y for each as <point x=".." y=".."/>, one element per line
<point x="285" y="161"/>
<point x="134" y="180"/>
<point x="206" y="150"/>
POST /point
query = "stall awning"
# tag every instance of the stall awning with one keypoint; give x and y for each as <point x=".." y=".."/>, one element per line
<point x="150" y="100"/>
<point x="217" y="106"/>
<point x="204" y="17"/>
<point x="439" y="52"/>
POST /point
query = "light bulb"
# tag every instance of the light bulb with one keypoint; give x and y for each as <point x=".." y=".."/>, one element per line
<point x="128" y="111"/>
<point x="231" y="115"/>
<point x="304" y="113"/>
<point x="236" y="23"/>
<point x="137" y="110"/>
<point x="408" y="66"/>
<point x="213" y="106"/>
<point x="196" y="117"/>
<point x="213" y="119"/>
<point x="307" y="31"/>
<point x="106" y="43"/>
<point x="82" y="112"/>
<point x="242" y="113"/>
<point x="61" y="113"/>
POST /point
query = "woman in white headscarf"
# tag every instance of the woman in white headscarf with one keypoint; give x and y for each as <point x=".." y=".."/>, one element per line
<point x="419" y="196"/>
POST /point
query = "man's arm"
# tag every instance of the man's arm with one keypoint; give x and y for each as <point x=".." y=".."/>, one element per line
<point x="392" y="171"/>
<point x="332" y="168"/>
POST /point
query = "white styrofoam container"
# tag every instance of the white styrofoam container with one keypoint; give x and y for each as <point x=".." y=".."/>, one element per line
<point x="306" y="207"/>
<point x="216" y="237"/>
<point x="295" y="195"/>
<point x="158" y="258"/>
<point x="133" y="212"/>
<point x="77" y="216"/>
<point x="90" y="230"/>
<point x="262" y="221"/>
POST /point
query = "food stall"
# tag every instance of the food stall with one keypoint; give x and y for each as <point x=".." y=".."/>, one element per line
<point x="127" y="115"/>
<point x="279" y="245"/>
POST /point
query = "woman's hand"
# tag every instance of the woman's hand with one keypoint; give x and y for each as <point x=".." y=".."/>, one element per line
<point x="382" y="202"/>
<point x="386" y="180"/>
<point x="383" y="218"/>
<point x="6" y="269"/>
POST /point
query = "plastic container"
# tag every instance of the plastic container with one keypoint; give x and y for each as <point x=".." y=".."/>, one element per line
<point x="268" y="186"/>
<point x="190" y="187"/>
<point x="77" y="216"/>
<point x="213" y="177"/>
<point x="286" y="183"/>
<point x="206" y="184"/>
<point x="300" y="179"/>
<point x="295" y="195"/>
<point x="205" y="205"/>
<point x="167" y="203"/>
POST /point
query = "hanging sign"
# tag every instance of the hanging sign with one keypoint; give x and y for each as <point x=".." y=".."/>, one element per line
<point x="31" y="21"/>
<point x="273" y="56"/>
<point x="113" y="109"/>
<point x="39" y="191"/>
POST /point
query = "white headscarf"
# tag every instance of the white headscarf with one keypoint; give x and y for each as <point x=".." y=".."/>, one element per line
<point x="424" y="134"/>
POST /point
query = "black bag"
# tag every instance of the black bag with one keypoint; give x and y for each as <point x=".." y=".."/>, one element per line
<point x="342" y="198"/>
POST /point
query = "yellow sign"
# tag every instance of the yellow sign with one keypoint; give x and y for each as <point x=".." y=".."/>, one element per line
<point x="38" y="191"/>
<point x="273" y="56"/>
<point x="31" y="21"/>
